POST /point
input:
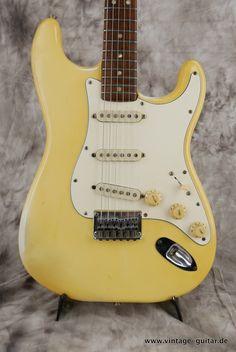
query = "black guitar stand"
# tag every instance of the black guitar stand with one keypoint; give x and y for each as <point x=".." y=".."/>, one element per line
<point x="175" y="303"/>
<point x="63" y="298"/>
<point x="61" y="302"/>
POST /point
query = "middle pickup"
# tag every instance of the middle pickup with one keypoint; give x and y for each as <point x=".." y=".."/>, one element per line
<point x="120" y="192"/>
<point x="118" y="155"/>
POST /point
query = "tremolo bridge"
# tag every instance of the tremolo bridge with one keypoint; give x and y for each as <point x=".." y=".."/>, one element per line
<point x="117" y="225"/>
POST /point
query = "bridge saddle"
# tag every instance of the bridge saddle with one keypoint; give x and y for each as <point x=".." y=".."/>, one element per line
<point x="117" y="225"/>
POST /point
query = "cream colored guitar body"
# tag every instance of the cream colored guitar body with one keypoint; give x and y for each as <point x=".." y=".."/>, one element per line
<point x="56" y="241"/>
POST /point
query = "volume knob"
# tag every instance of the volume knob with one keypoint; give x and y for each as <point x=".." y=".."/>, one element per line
<point x="177" y="211"/>
<point x="153" y="198"/>
<point x="198" y="229"/>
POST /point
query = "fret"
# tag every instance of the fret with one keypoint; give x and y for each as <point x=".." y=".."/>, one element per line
<point x="122" y="65"/>
<point x="118" y="31"/>
<point x="127" y="36"/>
<point x="114" y="92"/>
<point x="114" y="60"/>
<point x="123" y="51"/>
<point x="124" y="97"/>
<point x="113" y="46"/>
<point x="120" y="25"/>
<point x="128" y="92"/>
<point x="122" y="20"/>
<point x="126" y="70"/>
<point x="114" y="56"/>
<point x="121" y="78"/>
<point x="121" y="41"/>
<point x="119" y="85"/>
<point x="120" y="8"/>
<point x="107" y="81"/>
<point x="122" y="13"/>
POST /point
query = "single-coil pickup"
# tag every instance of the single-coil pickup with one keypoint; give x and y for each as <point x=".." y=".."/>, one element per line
<point x="119" y="116"/>
<point x="119" y="192"/>
<point x="118" y="155"/>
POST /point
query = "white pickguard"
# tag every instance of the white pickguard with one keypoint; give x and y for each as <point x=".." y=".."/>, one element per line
<point x="161" y="137"/>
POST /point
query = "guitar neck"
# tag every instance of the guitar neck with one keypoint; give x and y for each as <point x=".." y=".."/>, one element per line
<point x="119" y="63"/>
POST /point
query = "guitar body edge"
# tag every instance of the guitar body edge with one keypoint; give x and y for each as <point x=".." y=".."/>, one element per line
<point x="56" y="243"/>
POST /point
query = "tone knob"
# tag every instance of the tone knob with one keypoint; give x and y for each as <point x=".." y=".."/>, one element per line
<point x="177" y="211"/>
<point x="153" y="198"/>
<point x="198" y="230"/>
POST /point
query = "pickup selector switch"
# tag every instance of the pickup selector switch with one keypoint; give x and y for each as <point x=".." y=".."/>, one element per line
<point x="177" y="211"/>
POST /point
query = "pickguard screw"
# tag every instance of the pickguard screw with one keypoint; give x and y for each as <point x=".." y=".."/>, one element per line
<point x="94" y="187"/>
<point x="184" y="172"/>
<point x="142" y="103"/>
<point x="188" y="193"/>
<point x="171" y="173"/>
<point x="90" y="82"/>
<point x="75" y="180"/>
<point x="198" y="204"/>
<point x="86" y="148"/>
<point x="195" y="73"/>
<point x="94" y="155"/>
<point x="190" y="111"/>
<point x="145" y="215"/>
<point x="94" y="116"/>
<point x="85" y="213"/>
<point x="203" y="238"/>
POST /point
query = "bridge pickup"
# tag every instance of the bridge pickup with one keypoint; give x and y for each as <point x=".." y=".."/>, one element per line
<point x="119" y="116"/>
<point x="118" y="155"/>
<point x="119" y="192"/>
<point x="117" y="225"/>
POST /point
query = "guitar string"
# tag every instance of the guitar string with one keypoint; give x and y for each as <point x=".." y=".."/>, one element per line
<point x="111" y="104"/>
<point x="125" y="75"/>
<point x="123" y="88"/>
<point x="106" y="16"/>
<point x="117" y="98"/>
<point x="129" y="87"/>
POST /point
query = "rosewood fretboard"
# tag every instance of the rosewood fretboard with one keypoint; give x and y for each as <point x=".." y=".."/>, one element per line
<point x="119" y="64"/>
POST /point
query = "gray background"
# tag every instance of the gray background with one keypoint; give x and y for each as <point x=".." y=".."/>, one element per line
<point x="170" y="32"/>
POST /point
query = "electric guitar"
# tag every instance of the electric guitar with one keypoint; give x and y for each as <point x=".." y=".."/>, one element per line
<point x="116" y="211"/>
